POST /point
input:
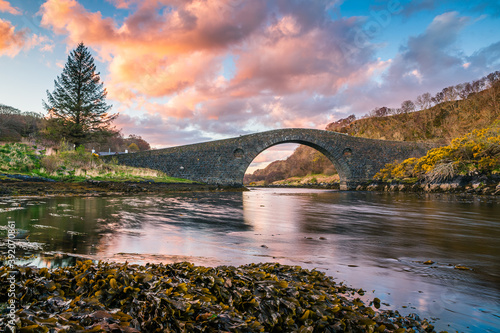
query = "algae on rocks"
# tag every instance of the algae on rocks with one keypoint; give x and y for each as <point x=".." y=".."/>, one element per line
<point x="182" y="297"/>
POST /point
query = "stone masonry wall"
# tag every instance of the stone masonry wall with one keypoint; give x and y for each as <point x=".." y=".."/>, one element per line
<point x="224" y="162"/>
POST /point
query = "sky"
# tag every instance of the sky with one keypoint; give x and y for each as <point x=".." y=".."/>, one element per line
<point x="181" y="71"/>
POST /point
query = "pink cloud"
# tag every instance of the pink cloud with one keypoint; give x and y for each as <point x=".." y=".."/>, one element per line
<point x="5" y="6"/>
<point x="192" y="26"/>
<point x="68" y="16"/>
<point x="12" y="41"/>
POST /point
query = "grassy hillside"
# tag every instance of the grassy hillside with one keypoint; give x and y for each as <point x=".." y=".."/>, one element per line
<point x="442" y="122"/>
<point x="449" y="114"/>
<point x="71" y="165"/>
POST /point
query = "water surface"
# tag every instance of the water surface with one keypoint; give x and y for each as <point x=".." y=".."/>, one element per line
<point x="374" y="241"/>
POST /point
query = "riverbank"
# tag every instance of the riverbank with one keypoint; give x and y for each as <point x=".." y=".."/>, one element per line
<point x="40" y="187"/>
<point x="20" y="162"/>
<point x="36" y="186"/>
<point x="300" y="182"/>
<point x="111" y="297"/>
<point x="480" y="185"/>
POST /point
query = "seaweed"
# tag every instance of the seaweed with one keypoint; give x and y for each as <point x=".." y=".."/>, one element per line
<point x="182" y="297"/>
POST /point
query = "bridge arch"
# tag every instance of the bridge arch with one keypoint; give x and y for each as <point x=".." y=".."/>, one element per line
<point x="224" y="162"/>
<point x="342" y="168"/>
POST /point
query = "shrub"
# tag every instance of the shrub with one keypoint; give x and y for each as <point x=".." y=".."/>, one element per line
<point x="133" y="148"/>
<point x="51" y="163"/>
<point x="475" y="152"/>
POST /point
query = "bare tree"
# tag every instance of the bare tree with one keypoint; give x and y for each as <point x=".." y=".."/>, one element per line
<point x="380" y="112"/>
<point x="438" y="98"/>
<point x="466" y="90"/>
<point x="493" y="78"/>
<point x="424" y="101"/>
<point x="449" y="94"/>
<point x="478" y="85"/>
<point x="493" y="84"/>
<point x="407" y="106"/>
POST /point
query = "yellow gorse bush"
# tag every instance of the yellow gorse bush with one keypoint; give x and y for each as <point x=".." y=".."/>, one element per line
<point x="475" y="152"/>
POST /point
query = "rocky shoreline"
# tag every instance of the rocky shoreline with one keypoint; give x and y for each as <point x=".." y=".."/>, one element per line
<point x="482" y="185"/>
<point x="477" y="185"/>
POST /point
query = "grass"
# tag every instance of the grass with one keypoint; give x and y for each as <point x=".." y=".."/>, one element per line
<point x="74" y="166"/>
<point x="18" y="157"/>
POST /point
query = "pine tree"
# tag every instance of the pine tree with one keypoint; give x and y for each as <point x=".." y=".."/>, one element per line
<point x="77" y="108"/>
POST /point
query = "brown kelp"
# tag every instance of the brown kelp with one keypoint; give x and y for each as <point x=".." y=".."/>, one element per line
<point x="182" y="297"/>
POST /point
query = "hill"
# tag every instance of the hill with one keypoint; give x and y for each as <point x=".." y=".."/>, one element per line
<point x="452" y="112"/>
<point x="442" y="122"/>
<point x="304" y="161"/>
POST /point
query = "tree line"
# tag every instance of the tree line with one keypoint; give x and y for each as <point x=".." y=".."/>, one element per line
<point x="460" y="91"/>
<point x="450" y="113"/>
<point x="15" y="124"/>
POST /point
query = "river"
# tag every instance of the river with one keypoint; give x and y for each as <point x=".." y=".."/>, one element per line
<point x="375" y="241"/>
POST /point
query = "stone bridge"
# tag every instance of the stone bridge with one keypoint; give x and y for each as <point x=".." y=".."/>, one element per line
<point x="224" y="162"/>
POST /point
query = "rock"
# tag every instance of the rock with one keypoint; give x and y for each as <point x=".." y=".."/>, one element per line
<point x="28" y="178"/>
<point x="431" y="187"/>
<point x="4" y="190"/>
<point x="416" y="187"/>
<point x="445" y="187"/>
<point x="463" y="268"/>
<point x="488" y="190"/>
